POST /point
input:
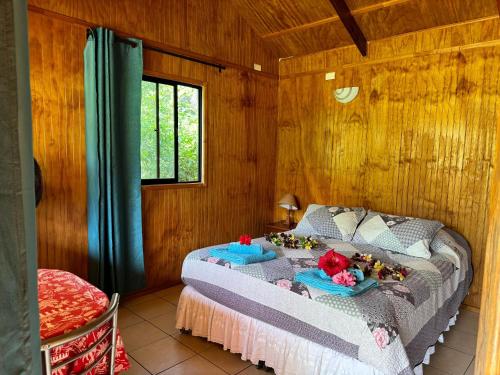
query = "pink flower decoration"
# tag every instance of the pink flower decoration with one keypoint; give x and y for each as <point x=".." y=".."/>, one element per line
<point x="212" y="260"/>
<point x="284" y="283"/>
<point x="344" y="278"/>
<point x="381" y="337"/>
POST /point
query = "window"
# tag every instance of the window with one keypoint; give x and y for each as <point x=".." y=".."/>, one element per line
<point x="170" y="132"/>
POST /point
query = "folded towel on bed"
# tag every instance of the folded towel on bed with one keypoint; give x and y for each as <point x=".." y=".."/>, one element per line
<point x="237" y="248"/>
<point x="318" y="279"/>
<point x="225" y="254"/>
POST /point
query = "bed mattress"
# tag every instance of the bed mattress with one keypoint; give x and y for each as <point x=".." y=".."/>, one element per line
<point x="389" y="328"/>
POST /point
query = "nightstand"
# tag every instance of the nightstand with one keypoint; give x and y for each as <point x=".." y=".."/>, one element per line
<point x="280" y="226"/>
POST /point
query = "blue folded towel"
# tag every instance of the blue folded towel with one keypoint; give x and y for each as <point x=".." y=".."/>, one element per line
<point x="225" y="254"/>
<point x="320" y="280"/>
<point x="237" y="248"/>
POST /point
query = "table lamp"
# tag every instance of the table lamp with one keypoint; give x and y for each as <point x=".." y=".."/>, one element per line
<point x="289" y="202"/>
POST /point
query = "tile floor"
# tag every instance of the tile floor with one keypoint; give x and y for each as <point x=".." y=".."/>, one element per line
<point x="147" y="325"/>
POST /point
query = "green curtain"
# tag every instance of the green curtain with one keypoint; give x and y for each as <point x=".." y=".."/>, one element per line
<point x="19" y="319"/>
<point x="113" y="75"/>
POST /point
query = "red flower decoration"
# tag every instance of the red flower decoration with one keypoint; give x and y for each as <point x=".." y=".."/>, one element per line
<point x="333" y="263"/>
<point x="245" y="239"/>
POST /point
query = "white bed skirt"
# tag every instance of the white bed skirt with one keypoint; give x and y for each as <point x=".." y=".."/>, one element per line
<point x="286" y="353"/>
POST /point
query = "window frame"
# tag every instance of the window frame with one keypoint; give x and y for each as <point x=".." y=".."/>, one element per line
<point x="201" y="157"/>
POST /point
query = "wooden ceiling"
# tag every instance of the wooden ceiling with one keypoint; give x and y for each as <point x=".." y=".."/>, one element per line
<point x="300" y="27"/>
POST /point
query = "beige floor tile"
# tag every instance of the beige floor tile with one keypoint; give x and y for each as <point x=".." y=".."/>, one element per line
<point x="429" y="370"/>
<point x="450" y="360"/>
<point x="171" y="294"/>
<point x="194" y="366"/>
<point x="253" y="370"/>
<point x="152" y="308"/>
<point x="229" y="362"/>
<point x="161" y="355"/>
<point x="467" y="321"/>
<point x="141" y="334"/>
<point x="135" y="368"/>
<point x="470" y="370"/>
<point x="136" y="300"/>
<point x="127" y="318"/>
<point x="166" y="322"/>
<point x="198" y="344"/>
<point x="461" y="341"/>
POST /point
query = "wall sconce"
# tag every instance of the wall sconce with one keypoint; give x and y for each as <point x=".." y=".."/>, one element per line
<point x="346" y="95"/>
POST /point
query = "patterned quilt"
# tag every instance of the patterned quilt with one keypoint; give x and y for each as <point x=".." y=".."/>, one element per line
<point x="67" y="302"/>
<point x="389" y="327"/>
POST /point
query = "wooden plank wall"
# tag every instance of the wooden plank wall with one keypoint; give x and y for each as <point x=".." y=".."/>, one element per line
<point x="296" y="28"/>
<point x="419" y="140"/>
<point x="240" y="121"/>
<point x="56" y="72"/>
<point x="488" y="341"/>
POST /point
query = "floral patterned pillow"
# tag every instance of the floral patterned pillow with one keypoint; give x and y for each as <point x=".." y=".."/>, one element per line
<point x="401" y="234"/>
<point x="330" y="221"/>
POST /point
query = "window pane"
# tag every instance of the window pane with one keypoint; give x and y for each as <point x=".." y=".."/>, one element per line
<point x="167" y="143"/>
<point x="188" y="132"/>
<point x="148" y="133"/>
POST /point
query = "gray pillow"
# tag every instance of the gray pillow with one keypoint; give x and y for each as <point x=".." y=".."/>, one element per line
<point x="330" y="221"/>
<point x="445" y="245"/>
<point x="402" y="234"/>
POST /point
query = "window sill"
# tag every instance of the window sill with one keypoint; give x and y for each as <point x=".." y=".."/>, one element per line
<point x="181" y="185"/>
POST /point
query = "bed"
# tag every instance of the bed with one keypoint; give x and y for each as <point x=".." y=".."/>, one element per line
<point x="69" y="305"/>
<point x="259" y="311"/>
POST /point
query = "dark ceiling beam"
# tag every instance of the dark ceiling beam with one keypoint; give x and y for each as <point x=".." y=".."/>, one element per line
<point x="351" y="25"/>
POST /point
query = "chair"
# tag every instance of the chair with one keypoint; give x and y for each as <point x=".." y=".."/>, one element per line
<point x="110" y="316"/>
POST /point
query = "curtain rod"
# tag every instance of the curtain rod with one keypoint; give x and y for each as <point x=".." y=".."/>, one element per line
<point x="193" y="59"/>
<point x="220" y="67"/>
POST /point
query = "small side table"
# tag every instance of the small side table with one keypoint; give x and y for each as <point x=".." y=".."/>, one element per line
<point x="280" y="226"/>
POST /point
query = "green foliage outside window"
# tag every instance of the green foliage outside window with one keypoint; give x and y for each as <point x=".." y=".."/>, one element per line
<point x="188" y="129"/>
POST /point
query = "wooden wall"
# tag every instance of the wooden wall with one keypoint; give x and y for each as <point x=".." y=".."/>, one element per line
<point x="240" y="124"/>
<point x="297" y="28"/>
<point x="488" y="341"/>
<point x="419" y="140"/>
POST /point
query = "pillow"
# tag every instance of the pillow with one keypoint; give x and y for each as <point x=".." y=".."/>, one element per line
<point x="445" y="245"/>
<point x="402" y="234"/>
<point x="330" y="221"/>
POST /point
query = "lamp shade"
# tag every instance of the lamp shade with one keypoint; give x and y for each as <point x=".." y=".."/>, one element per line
<point x="289" y="202"/>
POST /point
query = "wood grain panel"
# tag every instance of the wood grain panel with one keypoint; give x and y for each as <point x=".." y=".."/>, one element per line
<point x="240" y="124"/>
<point x="418" y="15"/>
<point x="240" y="132"/>
<point x="273" y="16"/>
<point x="419" y="140"/>
<point x="488" y="342"/>
<point x="59" y="142"/>
<point x="318" y="38"/>
<point x="214" y="30"/>
<point x="455" y="38"/>
<point x="299" y="28"/>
